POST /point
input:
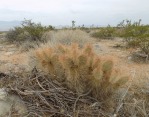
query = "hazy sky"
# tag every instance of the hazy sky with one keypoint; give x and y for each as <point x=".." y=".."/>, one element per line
<point x="62" y="12"/>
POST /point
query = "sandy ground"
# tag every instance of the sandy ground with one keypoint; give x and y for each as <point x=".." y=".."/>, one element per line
<point x="11" y="59"/>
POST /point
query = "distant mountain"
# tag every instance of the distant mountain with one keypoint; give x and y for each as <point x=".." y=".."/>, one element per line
<point x="6" y="25"/>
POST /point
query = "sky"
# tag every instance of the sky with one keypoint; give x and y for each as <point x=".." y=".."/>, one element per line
<point x="87" y="12"/>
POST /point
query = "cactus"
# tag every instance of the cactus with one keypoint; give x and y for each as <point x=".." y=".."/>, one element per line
<point x="81" y="69"/>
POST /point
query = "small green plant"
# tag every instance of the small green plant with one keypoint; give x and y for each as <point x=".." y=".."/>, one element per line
<point x="81" y="70"/>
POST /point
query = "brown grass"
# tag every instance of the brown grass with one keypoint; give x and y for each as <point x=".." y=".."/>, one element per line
<point x="67" y="37"/>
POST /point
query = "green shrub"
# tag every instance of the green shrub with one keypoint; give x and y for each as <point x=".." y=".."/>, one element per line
<point x="105" y="33"/>
<point x="28" y="31"/>
<point x="134" y="33"/>
<point x="12" y="34"/>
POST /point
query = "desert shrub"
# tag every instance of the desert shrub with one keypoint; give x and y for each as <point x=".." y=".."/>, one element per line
<point x="67" y="37"/>
<point x="139" y="57"/>
<point x="142" y="56"/>
<point x="145" y="46"/>
<point x="134" y="33"/>
<point x="13" y="34"/>
<point x="27" y="46"/>
<point x="86" y="29"/>
<point x="80" y="70"/>
<point x="105" y="33"/>
<point x="28" y="31"/>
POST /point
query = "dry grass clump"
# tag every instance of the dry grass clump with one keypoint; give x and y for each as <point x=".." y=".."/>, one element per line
<point x="136" y="102"/>
<point x="81" y="70"/>
<point x="67" y="37"/>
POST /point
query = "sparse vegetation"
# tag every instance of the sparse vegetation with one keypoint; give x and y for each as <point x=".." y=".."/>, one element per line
<point x="69" y="79"/>
<point x="67" y="37"/>
<point x="136" y="35"/>
<point x="27" y="32"/>
<point x="105" y="33"/>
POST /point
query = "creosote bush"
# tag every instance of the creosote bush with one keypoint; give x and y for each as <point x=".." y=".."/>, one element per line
<point x="80" y="70"/>
<point x="105" y="33"/>
<point x="28" y="32"/>
<point x="134" y="33"/>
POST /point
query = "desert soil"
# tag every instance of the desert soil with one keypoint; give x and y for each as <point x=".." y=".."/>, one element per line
<point x="11" y="59"/>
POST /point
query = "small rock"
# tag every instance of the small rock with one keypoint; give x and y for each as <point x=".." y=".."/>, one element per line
<point x="7" y="101"/>
<point x="3" y="94"/>
<point x="97" y="46"/>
